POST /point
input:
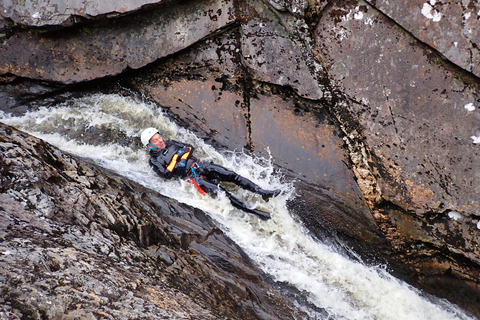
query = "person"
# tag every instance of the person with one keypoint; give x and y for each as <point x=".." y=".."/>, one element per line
<point x="175" y="159"/>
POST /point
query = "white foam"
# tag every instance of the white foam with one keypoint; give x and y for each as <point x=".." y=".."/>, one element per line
<point x="283" y="248"/>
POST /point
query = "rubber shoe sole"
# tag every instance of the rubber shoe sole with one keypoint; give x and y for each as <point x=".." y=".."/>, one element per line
<point x="272" y="194"/>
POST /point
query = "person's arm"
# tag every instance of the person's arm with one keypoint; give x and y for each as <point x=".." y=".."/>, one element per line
<point x="183" y="147"/>
<point x="159" y="168"/>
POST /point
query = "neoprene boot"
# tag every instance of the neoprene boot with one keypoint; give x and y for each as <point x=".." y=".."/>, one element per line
<point x="240" y="205"/>
<point x="267" y="194"/>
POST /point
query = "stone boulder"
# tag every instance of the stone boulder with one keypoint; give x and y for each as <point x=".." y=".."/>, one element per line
<point x="111" y="46"/>
<point x="371" y="105"/>
<point x="450" y="28"/>
<point x="77" y="242"/>
<point x="411" y="122"/>
<point x="61" y="13"/>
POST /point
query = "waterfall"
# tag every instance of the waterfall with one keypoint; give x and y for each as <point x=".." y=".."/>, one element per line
<point x="106" y="129"/>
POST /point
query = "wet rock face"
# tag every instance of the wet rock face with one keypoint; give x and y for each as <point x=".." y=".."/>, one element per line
<point x="413" y="109"/>
<point x="375" y="104"/>
<point x="418" y="115"/>
<point x="111" y="46"/>
<point x="79" y="244"/>
<point x="278" y="35"/>
<point x="417" y="111"/>
<point x="56" y="12"/>
<point x="452" y="28"/>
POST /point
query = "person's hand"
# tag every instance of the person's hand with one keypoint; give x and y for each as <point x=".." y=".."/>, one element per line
<point x="182" y="151"/>
<point x="181" y="167"/>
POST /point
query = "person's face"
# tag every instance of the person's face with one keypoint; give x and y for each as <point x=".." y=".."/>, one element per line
<point x="157" y="141"/>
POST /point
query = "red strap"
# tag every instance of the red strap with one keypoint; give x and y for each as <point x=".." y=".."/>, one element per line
<point x="197" y="186"/>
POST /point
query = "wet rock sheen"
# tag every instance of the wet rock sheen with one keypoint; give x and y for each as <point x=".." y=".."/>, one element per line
<point x="371" y="106"/>
<point x="78" y="243"/>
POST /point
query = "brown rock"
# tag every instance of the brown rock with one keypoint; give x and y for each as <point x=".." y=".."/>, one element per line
<point x="453" y="28"/>
<point x="388" y="136"/>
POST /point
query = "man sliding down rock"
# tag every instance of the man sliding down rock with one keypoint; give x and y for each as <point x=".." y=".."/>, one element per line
<point x="174" y="159"/>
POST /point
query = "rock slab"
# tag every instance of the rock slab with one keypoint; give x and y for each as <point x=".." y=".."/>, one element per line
<point x="76" y="243"/>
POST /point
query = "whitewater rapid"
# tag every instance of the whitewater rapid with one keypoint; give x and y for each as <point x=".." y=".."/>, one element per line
<point x="106" y="129"/>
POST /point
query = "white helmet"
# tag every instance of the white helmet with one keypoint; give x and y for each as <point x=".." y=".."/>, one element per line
<point x="147" y="134"/>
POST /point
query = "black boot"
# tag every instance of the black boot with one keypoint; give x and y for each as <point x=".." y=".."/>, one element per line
<point x="261" y="214"/>
<point x="240" y="205"/>
<point x="267" y="195"/>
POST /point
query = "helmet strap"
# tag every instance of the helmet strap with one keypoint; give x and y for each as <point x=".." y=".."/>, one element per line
<point x="152" y="147"/>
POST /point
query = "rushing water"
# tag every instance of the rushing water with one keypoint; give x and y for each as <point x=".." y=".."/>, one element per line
<point x="106" y="128"/>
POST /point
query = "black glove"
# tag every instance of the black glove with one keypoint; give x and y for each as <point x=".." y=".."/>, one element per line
<point x="182" y="151"/>
<point x="181" y="168"/>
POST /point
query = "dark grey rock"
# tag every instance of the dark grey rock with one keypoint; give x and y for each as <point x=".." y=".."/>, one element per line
<point x="451" y="28"/>
<point x="377" y="110"/>
<point x="57" y="12"/>
<point x="76" y="243"/>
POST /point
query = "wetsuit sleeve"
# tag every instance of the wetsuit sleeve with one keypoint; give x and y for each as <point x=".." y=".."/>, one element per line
<point x="183" y="147"/>
<point x="159" y="168"/>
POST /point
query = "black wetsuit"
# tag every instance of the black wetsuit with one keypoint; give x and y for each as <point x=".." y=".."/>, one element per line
<point x="176" y="160"/>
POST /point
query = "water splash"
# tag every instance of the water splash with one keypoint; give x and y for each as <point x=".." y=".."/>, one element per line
<point x="106" y="129"/>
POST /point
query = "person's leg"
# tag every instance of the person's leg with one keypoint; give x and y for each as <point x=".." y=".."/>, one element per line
<point x="208" y="186"/>
<point x="216" y="172"/>
<point x="240" y="205"/>
<point x="212" y="188"/>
